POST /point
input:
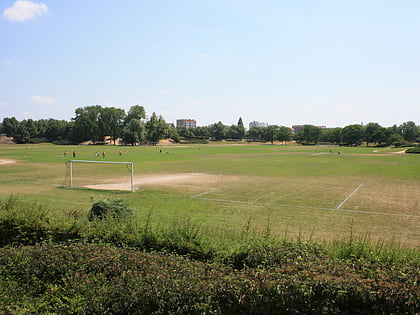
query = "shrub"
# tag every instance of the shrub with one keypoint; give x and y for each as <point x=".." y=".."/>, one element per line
<point x="413" y="150"/>
<point x="109" y="208"/>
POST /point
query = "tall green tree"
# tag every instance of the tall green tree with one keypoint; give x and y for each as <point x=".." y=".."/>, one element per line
<point x="156" y="128"/>
<point x="331" y="135"/>
<point x="309" y="134"/>
<point x="371" y="133"/>
<point x="270" y="133"/>
<point x="352" y="135"/>
<point x="409" y="131"/>
<point x="10" y="126"/>
<point x="135" y="112"/>
<point x="255" y="133"/>
<point x="284" y="134"/>
<point x="111" y="122"/>
<point x="218" y="131"/>
<point x="86" y="125"/>
<point x="134" y="132"/>
<point x="241" y="129"/>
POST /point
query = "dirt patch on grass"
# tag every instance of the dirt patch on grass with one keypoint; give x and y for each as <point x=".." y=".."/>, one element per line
<point x="5" y="161"/>
<point x="176" y="179"/>
<point x="6" y="140"/>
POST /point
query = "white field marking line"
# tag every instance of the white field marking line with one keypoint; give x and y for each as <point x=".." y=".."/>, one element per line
<point x="205" y="193"/>
<point x="303" y="207"/>
<point x="259" y="198"/>
<point x="349" y="196"/>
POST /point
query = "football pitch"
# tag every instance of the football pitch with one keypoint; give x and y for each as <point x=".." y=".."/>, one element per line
<point x="319" y="192"/>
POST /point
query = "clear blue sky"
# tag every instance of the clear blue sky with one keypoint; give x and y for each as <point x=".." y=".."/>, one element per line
<point x="323" y="62"/>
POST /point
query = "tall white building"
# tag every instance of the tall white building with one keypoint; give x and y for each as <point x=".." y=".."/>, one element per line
<point x="187" y="123"/>
<point x="257" y="124"/>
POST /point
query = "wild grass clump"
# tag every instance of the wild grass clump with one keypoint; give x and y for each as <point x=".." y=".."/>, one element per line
<point x="22" y="223"/>
<point x="362" y="247"/>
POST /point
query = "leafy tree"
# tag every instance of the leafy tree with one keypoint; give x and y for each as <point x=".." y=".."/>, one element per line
<point x="173" y="134"/>
<point x="409" y="131"/>
<point x="135" y="112"/>
<point x="22" y="134"/>
<point x="241" y="129"/>
<point x="201" y="132"/>
<point x="187" y="133"/>
<point x="10" y="126"/>
<point x="86" y="124"/>
<point x="156" y="128"/>
<point x="218" y="131"/>
<point x="270" y="133"/>
<point x="57" y="130"/>
<point x="255" y="133"/>
<point x="309" y="134"/>
<point x="134" y="132"/>
<point x="352" y="135"/>
<point x="381" y="135"/>
<point x="370" y="131"/>
<point x="331" y="135"/>
<point x="110" y="122"/>
<point x="284" y="134"/>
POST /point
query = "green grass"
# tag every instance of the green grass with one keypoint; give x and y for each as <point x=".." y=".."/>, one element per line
<point x="295" y="188"/>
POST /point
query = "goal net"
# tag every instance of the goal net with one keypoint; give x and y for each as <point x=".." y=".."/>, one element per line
<point x="100" y="175"/>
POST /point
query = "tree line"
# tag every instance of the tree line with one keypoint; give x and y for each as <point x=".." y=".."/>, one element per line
<point x="91" y="123"/>
<point x="98" y="124"/>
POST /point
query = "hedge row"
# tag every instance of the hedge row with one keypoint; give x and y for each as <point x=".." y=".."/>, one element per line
<point x="99" y="279"/>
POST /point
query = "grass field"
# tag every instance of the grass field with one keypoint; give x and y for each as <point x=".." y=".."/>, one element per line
<point x="297" y="191"/>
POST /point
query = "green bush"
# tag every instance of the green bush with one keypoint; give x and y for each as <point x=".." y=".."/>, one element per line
<point x="92" y="279"/>
<point x="109" y="208"/>
<point x="413" y="150"/>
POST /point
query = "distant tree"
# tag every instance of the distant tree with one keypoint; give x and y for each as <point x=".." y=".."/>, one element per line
<point x="352" y="135"/>
<point x="135" y="112"/>
<point x="22" y="134"/>
<point x="173" y="134"/>
<point x="86" y="124"/>
<point x="331" y="135"/>
<point x="186" y="133"/>
<point x="57" y="130"/>
<point x="10" y="126"/>
<point x="270" y="133"/>
<point x="134" y="132"/>
<point x="156" y="128"/>
<point x="201" y="132"/>
<point x="371" y="132"/>
<point x="218" y="131"/>
<point x="309" y="134"/>
<point x="111" y="122"/>
<point x="409" y="131"/>
<point x="284" y="134"/>
<point x="240" y="129"/>
<point x="381" y="136"/>
<point x="255" y="133"/>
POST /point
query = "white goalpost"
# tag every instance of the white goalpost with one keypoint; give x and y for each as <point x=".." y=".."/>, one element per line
<point x="130" y="166"/>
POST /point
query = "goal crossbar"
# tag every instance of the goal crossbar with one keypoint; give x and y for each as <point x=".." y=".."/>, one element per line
<point x="103" y="162"/>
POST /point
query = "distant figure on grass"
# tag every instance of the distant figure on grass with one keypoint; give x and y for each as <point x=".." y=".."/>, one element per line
<point x="120" y="152"/>
<point x="65" y="153"/>
<point x="97" y="154"/>
<point x="103" y="154"/>
<point x="74" y="154"/>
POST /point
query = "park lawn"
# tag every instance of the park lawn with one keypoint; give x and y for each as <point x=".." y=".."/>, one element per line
<point x="290" y="190"/>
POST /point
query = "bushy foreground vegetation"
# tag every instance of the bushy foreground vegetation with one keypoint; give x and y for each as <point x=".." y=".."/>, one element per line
<point x="119" y="266"/>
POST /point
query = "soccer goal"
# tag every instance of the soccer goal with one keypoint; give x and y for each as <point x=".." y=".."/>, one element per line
<point x="101" y="174"/>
